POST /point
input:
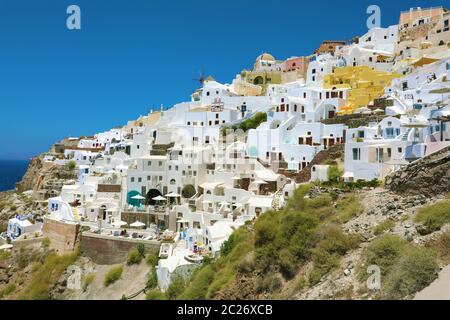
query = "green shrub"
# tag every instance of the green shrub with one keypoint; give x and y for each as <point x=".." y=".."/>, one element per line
<point x="247" y="265"/>
<point x="234" y="239"/>
<point x="327" y="253"/>
<point x="71" y="165"/>
<point x="176" y="287"/>
<point x="5" y="255"/>
<point x="334" y="174"/>
<point x="46" y="242"/>
<point x="416" y="269"/>
<point x="152" y="259"/>
<point x="152" y="279"/>
<point x="384" y="226"/>
<point x="141" y="250"/>
<point x="155" y="295"/>
<point x="134" y="257"/>
<point x="113" y="275"/>
<point x="433" y="217"/>
<point x="253" y="122"/>
<point x="269" y="283"/>
<point x="288" y="263"/>
<point x="87" y="280"/>
<point x="7" y="290"/>
<point x="319" y="202"/>
<point x="384" y="251"/>
<point x="405" y="268"/>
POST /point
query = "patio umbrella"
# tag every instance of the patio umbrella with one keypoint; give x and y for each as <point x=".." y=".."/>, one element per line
<point x="159" y="198"/>
<point x="172" y="195"/>
<point x="119" y="223"/>
<point x="259" y="182"/>
<point x="137" y="224"/>
<point x="138" y="197"/>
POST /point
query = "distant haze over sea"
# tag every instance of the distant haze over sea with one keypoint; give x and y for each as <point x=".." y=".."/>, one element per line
<point x="11" y="171"/>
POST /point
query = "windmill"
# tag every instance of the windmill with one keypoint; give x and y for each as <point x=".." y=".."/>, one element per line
<point x="201" y="77"/>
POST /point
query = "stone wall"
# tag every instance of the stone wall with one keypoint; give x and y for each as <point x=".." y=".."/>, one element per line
<point x="63" y="236"/>
<point x="112" y="250"/>
<point x="355" y="120"/>
<point x="428" y="176"/>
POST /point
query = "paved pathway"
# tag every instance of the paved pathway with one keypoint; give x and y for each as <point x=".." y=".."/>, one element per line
<point x="439" y="289"/>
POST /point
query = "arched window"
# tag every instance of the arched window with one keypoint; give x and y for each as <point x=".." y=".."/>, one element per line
<point x="172" y="181"/>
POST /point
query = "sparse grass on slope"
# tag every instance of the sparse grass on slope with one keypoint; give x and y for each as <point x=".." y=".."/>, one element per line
<point x="46" y="275"/>
<point x="433" y="217"/>
<point x="383" y="226"/>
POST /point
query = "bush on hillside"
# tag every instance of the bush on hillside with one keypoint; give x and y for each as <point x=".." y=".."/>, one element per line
<point x="113" y="275"/>
<point x="405" y="268"/>
<point x="433" y="217"/>
<point x="334" y="174"/>
<point x="333" y="244"/>
<point x="71" y="165"/>
<point x="416" y="269"/>
<point x="134" y="257"/>
<point x="384" y="226"/>
<point x="176" y="287"/>
<point x="384" y="251"/>
<point x="87" y="280"/>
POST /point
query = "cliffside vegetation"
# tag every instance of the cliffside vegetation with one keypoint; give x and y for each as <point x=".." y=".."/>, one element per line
<point x="292" y="251"/>
<point x="274" y="249"/>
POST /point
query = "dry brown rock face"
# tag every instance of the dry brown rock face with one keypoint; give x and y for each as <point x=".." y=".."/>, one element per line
<point x="427" y="176"/>
<point x="28" y="181"/>
<point x="45" y="175"/>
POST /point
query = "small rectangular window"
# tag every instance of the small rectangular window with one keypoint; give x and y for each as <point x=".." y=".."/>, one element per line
<point x="356" y="154"/>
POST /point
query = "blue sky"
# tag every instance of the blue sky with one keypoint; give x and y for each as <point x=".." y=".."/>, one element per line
<point x="134" y="55"/>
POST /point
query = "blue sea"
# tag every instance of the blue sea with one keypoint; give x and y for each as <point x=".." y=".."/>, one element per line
<point x="11" y="171"/>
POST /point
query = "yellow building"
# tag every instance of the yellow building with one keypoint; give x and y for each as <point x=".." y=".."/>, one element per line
<point x="266" y="70"/>
<point x="364" y="84"/>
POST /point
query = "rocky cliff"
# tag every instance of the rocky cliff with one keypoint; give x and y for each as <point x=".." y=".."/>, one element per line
<point x="428" y="176"/>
